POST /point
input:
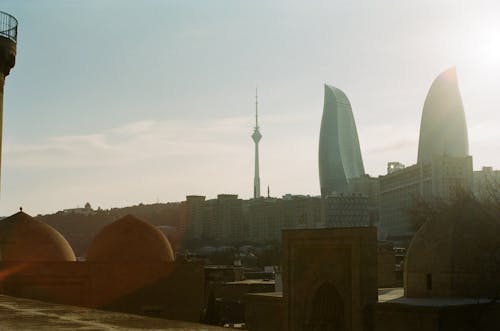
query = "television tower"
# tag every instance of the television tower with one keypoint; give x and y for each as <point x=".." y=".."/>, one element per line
<point x="8" y="41"/>
<point x="256" y="136"/>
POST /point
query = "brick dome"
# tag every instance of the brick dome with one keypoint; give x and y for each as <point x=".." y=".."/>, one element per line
<point x="23" y="238"/>
<point x="455" y="254"/>
<point x="130" y="239"/>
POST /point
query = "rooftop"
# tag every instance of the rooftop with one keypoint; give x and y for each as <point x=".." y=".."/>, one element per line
<point x="251" y="281"/>
<point x="396" y="296"/>
<point x="266" y="294"/>
<point x="25" y="314"/>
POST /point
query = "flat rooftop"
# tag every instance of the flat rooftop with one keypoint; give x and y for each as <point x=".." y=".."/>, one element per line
<point x="26" y="314"/>
<point x="252" y="281"/>
<point x="396" y="296"/>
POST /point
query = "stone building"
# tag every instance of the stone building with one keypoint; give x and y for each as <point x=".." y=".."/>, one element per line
<point x="329" y="282"/>
<point x="130" y="267"/>
<point x="451" y="279"/>
<point x="452" y="275"/>
<point x="8" y="50"/>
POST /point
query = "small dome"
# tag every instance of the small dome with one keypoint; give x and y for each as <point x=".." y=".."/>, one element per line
<point x="23" y="238"/>
<point x="455" y="254"/>
<point x="130" y="239"/>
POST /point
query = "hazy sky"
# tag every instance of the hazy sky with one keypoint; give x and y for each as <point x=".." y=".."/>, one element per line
<point x="122" y="102"/>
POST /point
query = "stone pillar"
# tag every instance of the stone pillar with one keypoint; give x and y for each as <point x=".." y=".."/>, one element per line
<point x="7" y="62"/>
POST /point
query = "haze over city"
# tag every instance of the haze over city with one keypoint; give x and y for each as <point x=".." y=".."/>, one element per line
<point x="118" y="103"/>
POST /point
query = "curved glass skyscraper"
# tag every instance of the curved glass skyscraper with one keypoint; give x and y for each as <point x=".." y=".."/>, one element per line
<point x="442" y="129"/>
<point x="339" y="153"/>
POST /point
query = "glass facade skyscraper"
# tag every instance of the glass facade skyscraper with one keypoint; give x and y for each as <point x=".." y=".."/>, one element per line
<point x="443" y="131"/>
<point x="339" y="152"/>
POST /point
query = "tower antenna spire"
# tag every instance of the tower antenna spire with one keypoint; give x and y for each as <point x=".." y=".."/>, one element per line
<point x="256" y="136"/>
<point x="256" y="108"/>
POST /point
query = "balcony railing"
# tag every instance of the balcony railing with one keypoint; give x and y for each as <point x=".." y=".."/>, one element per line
<point x="8" y="26"/>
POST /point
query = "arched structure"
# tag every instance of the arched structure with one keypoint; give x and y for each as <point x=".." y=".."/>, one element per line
<point x="23" y="238"/>
<point x="326" y="310"/>
<point x="130" y="239"/>
<point x="443" y="130"/>
<point x="339" y="153"/>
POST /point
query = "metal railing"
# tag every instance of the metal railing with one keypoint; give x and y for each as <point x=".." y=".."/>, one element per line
<point x="8" y="26"/>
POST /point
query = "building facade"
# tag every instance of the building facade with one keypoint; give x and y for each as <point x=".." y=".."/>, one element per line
<point x="443" y="130"/>
<point x="443" y="178"/>
<point x="487" y="184"/>
<point x="339" y="156"/>
<point x="230" y="220"/>
<point x="219" y="220"/>
<point x="444" y="166"/>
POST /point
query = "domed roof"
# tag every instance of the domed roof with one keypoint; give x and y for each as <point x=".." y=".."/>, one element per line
<point x="23" y="238"/>
<point x="455" y="254"/>
<point x="130" y="239"/>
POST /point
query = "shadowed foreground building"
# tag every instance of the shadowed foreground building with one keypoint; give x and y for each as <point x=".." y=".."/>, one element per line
<point x="130" y="267"/>
<point x="452" y="279"/>
<point x="27" y="314"/>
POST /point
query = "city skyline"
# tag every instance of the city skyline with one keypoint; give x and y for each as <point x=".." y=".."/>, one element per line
<point x="88" y="117"/>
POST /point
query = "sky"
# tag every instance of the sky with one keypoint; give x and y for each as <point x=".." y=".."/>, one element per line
<point x="122" y="102"/>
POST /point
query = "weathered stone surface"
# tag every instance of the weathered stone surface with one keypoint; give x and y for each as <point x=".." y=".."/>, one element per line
<point x="24" y="314"/>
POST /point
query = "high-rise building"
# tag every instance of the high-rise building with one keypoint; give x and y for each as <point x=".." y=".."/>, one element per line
<point x="339" y="152"/>
<point x="443" y="130"/>
<point x="194" y="216"/>
<point x="256" y="136"/>
<point x="217" y="220"/>
<point x="8" y="41"/>
<point x="444" y="167"/>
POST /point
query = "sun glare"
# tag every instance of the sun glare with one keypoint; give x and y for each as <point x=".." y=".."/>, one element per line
<point x="488" y="45"/>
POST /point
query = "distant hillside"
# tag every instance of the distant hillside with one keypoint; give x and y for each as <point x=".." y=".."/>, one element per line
<point x="79" y="229"/>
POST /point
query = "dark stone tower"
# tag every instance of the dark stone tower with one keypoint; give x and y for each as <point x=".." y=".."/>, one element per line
<point x="8" y="40"/>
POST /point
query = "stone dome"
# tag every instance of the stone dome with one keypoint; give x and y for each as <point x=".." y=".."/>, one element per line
<point x="130" y="239"/>
<point x="455" y="254"/>
<point x="23" y="238"/>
